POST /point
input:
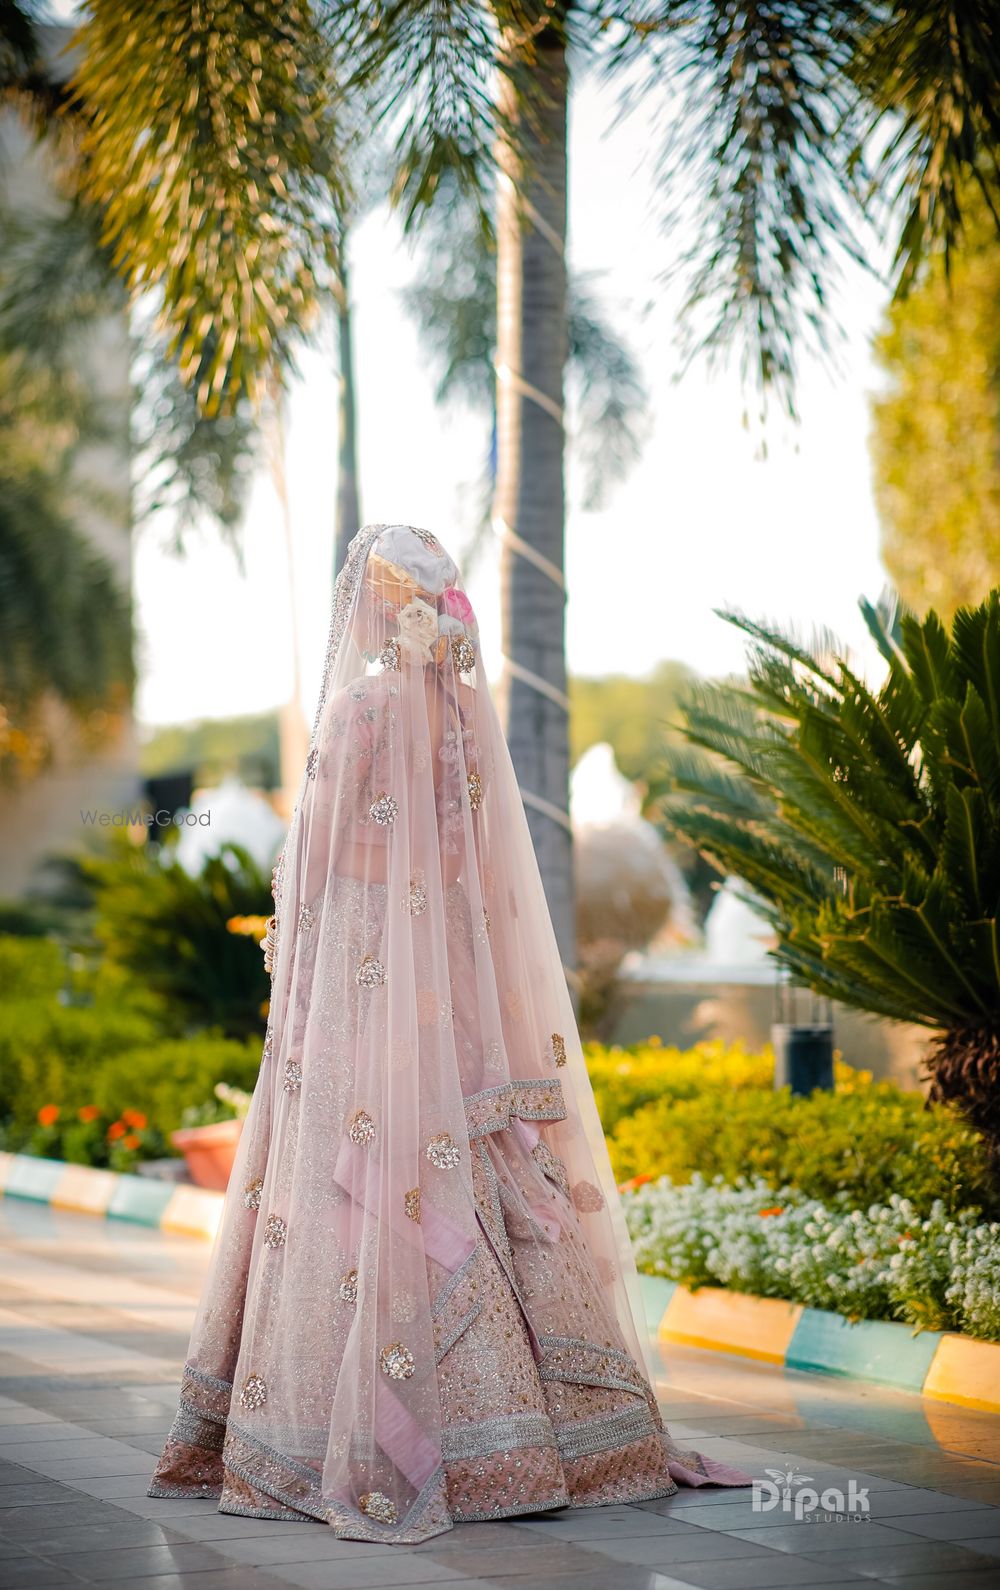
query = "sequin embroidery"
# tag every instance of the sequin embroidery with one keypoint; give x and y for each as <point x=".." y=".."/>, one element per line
<point x="376" y="1505"/>
<point x="362" y="1129"/>
<point x="463" y="654"/>
<point x="411" y="1203"/>
<point x="254" y="1393"/>
<point x="252" y="1192"/>
<point x="397" y="1361"/>
<point x="443" y="1153"/>
<point x="348" y="1287"/>
<point x="383" y="810"/>
<point x="312" y="762"/>
<point x="558" y="1046"/>
<point x="275" y="1231"/>
<point x="475" y="791"/>
<point x="587" y="1198"/>
<point x="389" y="655"/>
<point x="293" y="1076"/>
<point x="371" y="973"/>
<point x="306" y="918"/>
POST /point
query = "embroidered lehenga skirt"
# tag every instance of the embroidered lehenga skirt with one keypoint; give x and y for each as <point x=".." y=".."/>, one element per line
<point x="539" y="1401"/>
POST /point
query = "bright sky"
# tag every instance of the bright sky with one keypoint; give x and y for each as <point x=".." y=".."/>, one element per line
<point x="702" y="522"/>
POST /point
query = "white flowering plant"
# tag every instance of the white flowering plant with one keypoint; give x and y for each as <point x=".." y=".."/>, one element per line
<point x="938" y="1271"/>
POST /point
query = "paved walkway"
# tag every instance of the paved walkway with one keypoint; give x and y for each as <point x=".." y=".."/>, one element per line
<point x="94" y="1317"/>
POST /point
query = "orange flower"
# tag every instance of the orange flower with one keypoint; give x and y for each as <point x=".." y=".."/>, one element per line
<point x="48" y="1115"/>
<point x="776" y="1210"/>
<point x="132" y="1141"/>
<point x="134" y="1118"/>
<point x="115" y="1130"/>
<point x="88" y="1112"/>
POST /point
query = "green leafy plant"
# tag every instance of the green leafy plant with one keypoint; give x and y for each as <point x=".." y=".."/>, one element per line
<point x="625" y="1079"/>
<point x="866" y="822"/>
<point x="854" y="1147"/>
<point x="172" y="932"/>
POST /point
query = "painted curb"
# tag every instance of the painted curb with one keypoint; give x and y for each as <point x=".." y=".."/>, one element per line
<point x="165" y="1205"/>
<point x="947" y="1368"/>
<point x="941" y="1367"/>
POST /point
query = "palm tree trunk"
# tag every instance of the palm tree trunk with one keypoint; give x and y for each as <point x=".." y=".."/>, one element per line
<point x="293" y="730"/>
<point x="348" y="492"/>
<point x="529" y="507"/>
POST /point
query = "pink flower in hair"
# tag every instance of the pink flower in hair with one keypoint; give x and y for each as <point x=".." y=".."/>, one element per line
<point x="457" y="605"/>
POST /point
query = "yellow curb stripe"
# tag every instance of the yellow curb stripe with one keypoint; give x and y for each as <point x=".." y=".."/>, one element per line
<point x="965" y="1371"/>
<point x="731" y="1322"/>
<point x="85" y="1189"/>
<point x="193" y="1211"/>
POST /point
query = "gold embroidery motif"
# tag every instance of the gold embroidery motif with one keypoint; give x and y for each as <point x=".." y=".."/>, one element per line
<point x="463" y="654"/>
<point x="275" y="1231"/>
<point x="348" y="1288"/>
<point x="377" y="1506"/>
<point x="443" y="1153"/>
<point x="371" y="973"/>
<point x="362" y="1129"/>
<point x="411" y="1203"/>
<point x="475" y="791"/>
<point x="558" y="1044"/>
<point x="252" y="1192"/>
<point x="254" y="1393"/>
<point x="397" y="1361"/>
<point x="383" y="810"/>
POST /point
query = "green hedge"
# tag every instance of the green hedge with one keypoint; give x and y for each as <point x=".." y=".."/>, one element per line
<point x="858" y="1146"/>
<point x="112" y="1050"/>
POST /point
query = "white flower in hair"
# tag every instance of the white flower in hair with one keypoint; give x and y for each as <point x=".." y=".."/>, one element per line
<point x="418" y="629"/>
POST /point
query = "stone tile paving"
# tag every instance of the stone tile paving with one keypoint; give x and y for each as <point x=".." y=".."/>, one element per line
<point x="94" y="1318"/>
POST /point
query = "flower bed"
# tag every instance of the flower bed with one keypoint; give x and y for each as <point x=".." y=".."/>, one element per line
<point x="938" y="1271"/>
<point x="713" y="1110"/>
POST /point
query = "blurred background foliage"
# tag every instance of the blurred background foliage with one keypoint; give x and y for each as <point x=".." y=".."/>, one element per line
<point x="936" y="426"/>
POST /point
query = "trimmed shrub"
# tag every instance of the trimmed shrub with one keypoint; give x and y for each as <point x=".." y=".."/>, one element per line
<point x="855" y="1147"/>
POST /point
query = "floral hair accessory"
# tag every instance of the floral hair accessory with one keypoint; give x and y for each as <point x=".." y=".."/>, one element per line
<point x="418" y="629"/>
<point x="455" y="602"/>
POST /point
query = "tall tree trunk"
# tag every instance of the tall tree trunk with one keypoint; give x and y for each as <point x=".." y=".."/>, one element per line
<point x="529" y="507"/>
<point x="348" y="492"/>
<point x="293" y="730"/>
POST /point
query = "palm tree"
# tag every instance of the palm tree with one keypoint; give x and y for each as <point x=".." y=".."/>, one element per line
<point x="868" y="823"/>
<point x="453" y="301"/>
<point x="769" y="111"/>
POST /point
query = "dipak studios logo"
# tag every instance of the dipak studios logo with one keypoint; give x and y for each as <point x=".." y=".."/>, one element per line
<point x="796" y="1494"/>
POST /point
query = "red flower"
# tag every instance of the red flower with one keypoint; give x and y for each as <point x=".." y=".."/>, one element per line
<point x="776" y="1210"/>
<point x="48" y="1115"/>
<point x="134" y="1118"/>
<point x="115" y="1130"/>
<point x="131" y="1141"/>
<point x="88" y="1112"/>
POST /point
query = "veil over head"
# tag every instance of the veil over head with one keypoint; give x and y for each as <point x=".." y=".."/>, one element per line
<point x="422" y="1296"/>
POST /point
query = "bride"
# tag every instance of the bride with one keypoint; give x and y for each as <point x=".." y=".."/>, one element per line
<point x="421" y="1303"/>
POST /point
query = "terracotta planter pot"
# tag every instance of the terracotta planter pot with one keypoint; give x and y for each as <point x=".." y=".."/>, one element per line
<point x="209" y="1151"/>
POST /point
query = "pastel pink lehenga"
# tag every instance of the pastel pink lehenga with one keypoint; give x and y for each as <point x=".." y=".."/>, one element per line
<point x="421" y="1302"/>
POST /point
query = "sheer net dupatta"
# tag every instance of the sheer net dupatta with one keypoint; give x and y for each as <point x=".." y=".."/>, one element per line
<point x="421" y="1302"/>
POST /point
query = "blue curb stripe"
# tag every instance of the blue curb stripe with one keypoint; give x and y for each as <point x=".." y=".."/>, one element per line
<point x="34" y="1178"/>
<point x="656" y="1294"/>
<point x="140" y="1198"/>
<point x="879" y="1350"/>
